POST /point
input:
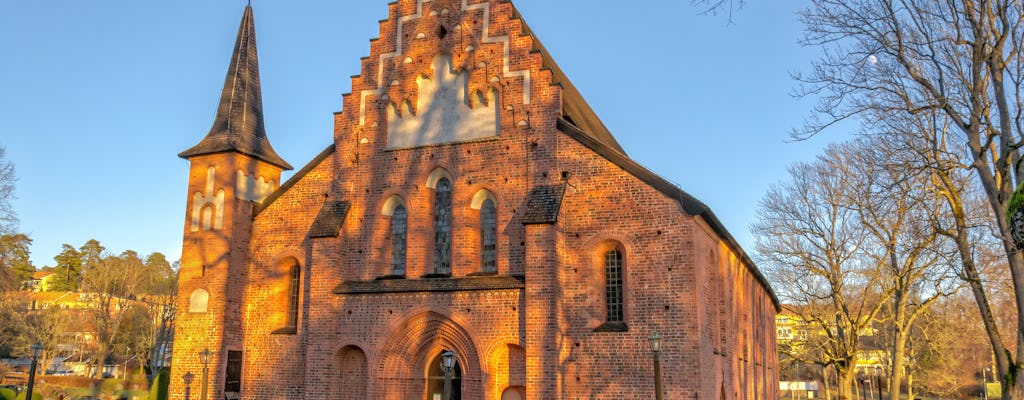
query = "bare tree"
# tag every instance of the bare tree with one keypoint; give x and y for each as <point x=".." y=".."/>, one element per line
<point x="27" y="324"/>
<point x="114" y="284"/>
<point x="895" y="59"/>
<point x="718" y="6"/>
<point x="810" y="236"/>
<point x="900" y="213"/>
<point x="8" y="219"/>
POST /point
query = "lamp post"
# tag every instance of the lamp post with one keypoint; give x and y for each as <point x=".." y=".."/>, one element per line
<point x="878" y="377"/>
<point x="36" y="349"/>
<point x="655" y="341"/>
<point x="448" y="363"/>
<point x="204" y="358"/>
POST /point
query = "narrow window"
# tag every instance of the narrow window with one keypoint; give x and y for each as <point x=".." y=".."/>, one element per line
<point x="398" y="236"/>
<point x="443" y="227"/>
<point x="489" y="236"/>
<point x="292" y="320"/>
<point x="613" y="285"/>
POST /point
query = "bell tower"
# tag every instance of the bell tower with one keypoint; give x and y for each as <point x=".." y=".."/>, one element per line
<point x="230" y="169"/>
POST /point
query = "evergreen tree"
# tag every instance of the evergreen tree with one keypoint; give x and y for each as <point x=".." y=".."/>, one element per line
<point x="91" y="256"/>
<point x="161" y="279"/>
<point x="15" y="266"/>
<point x="68" y="271"/>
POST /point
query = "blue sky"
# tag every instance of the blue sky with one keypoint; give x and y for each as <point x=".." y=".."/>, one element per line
<point x="98" y="97"/>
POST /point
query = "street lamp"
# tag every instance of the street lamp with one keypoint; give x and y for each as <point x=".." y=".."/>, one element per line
<point x="448" y="363"/>
<point x="655" y="341"/>
<point x="878" y="377"/>
<point x="204" y="358"/>
<point x="36" y="349"/>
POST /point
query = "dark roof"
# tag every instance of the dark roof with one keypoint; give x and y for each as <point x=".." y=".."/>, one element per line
<point x="259" y="207"/>
<point x="574" y="107"/>
<point x="543" y="204"/>
<point x="690" y="204"/>
<point x="430" y="285"/>
<point x="238" y="126"/>
<point x="328" y="221"/>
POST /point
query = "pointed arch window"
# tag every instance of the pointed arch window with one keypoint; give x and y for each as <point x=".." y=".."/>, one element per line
<point x="613" y="286"/>
<point x="292" y="316"/>
<point x="399" y="233"/>
<point x="287" y="290"/>
<point x="443" y="227"/>
<point x="489" y="236"/>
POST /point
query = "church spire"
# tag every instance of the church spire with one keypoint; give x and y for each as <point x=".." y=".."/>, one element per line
<point x="238" y="125"/>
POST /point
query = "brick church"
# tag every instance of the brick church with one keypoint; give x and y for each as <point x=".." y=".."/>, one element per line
<point x="469" y="201"/>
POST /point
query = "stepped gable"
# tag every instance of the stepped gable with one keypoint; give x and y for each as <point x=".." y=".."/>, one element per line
<point x="238" y="126"/>
<point x="487" y="44"/>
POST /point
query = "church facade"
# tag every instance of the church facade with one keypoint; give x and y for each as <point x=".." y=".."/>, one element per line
<point x="469" y="201"/>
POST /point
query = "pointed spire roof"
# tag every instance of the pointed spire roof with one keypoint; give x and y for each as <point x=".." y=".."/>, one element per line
<point x="238" y="125"/>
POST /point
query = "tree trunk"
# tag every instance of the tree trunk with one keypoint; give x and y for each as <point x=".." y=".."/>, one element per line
<point x="844" y="380"/>
<point x="824" y="381"/>
<point x="1014" y="257"/>
<point x="910" y="385"/>
<point x="974" y="280"/>
<point x="896" y="372"/>
<point x="1013" y="391"/>
<point x="101" y="361"/>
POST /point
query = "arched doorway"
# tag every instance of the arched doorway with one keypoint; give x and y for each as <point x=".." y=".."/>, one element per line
<point x="435" y="380"/>
<point x="352" y="366"/>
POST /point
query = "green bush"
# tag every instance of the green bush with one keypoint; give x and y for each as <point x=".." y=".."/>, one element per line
<point x="7" y="394"/>
<point x="35" y="395"/>
<point x="160" y="383"/>
<point x="112" y="386"/>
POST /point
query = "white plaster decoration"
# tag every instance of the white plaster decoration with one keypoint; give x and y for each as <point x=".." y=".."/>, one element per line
<point x="443" y="113"/>
<point x="435" y="176"/>
<point x="485" y="37"/>
<point x="480" y="197"/>
<point x="390" y="205"/>
<point x="199" y="301"/>
<point x="504" y="40"/>
<point x="249" y="188"/>
<point x="208" y="207"/>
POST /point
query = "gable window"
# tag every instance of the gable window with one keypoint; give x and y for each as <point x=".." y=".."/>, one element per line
<point x="613" y="285"/>
<point x="489" y="236"/>
<point x="399" y="228"/>
<point x="443" y="227"/>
